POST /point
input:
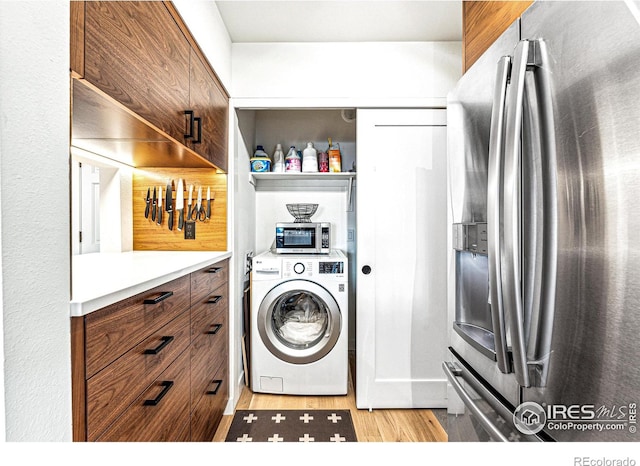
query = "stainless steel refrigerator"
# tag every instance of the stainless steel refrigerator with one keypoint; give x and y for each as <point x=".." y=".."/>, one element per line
<point x="544" y="154"/>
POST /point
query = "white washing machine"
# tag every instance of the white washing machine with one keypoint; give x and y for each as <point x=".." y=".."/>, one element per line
<point x="299" y="316"/>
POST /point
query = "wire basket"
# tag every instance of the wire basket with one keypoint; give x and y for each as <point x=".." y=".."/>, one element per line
<point x="302" y="212"/>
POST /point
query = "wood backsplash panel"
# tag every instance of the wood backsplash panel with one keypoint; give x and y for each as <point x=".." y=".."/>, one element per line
<point x="482" y="24"/>
<point x="211" y="235"/>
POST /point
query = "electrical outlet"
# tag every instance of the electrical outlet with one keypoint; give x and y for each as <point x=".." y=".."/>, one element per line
<point x="189" y="230"/>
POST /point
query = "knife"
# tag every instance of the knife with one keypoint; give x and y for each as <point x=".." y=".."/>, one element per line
<point x="153" y="205"/>
<point x="148" y="201"/>
<point x="180" y="204"/>
<point x="168" y="205"/>
<point x="159" y="205"/>
<point x="189" y="202"/>
<point x="199" y="208"/>
<point x="208" y="202"/>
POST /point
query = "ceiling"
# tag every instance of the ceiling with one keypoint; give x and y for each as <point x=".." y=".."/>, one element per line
<point x="342" y="20"/>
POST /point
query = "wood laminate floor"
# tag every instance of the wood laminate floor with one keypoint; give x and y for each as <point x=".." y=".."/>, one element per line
<point x="379" y="425"/>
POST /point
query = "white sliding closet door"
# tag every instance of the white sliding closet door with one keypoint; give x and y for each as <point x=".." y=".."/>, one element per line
<point x="401" y="313"/>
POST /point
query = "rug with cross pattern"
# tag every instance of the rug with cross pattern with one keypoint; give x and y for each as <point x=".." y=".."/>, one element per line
<point x="289" y="425"/>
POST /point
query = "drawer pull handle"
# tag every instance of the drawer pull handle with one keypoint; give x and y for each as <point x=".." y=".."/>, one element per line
<point x="163" y="295"/>
<point x="165" y="342"/>
<point x="214" y="300"/>
<point x="214" y="270"/>
<point x="189" y="130"/>
<point x="198" y="121"/>
<point x="216" y="327"/>
<point x="215" y="390"/>
<point x="167" y="384"/>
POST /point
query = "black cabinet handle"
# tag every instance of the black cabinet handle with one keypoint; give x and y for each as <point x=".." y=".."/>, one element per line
<point x="167" y="384"/>
<point x="189" y="130"/>
<point x="215" y="390"/>
<point x="366" y="270"/>
<point x="161" y="346"/>
<point x="214" y="299"/>
<point x="214" y="270"/>
<point x="163" y="295"/>
<point x="216" y="327"/>
<point x="198" y="140"/>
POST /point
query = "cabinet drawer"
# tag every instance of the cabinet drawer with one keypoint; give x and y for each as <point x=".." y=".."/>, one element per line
<point x="208" y="353"/>
<point x="209" y="408"/>
<point x="160" y="413"/>
<point x="205" y="280"/>
<point x="115" y="387"/>
<point x="112" y="331"/>
<point x="209" y="314"/>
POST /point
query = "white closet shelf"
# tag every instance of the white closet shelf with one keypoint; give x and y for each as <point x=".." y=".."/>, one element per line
<point x="283" y="180"/>
<point x="302" y="181"/>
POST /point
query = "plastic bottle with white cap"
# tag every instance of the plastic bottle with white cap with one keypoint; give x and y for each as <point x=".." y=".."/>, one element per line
<point x="278" y="159"/>
<point x="292" y="163"/>
<point x="310" y="159"/>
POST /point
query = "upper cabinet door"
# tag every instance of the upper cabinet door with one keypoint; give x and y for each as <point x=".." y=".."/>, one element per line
<point x="210" y="104"/>
<point x="483" y="22"/>
<point x="136" y="53"/>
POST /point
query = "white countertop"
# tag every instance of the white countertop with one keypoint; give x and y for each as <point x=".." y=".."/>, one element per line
<point x="101" y="279"/>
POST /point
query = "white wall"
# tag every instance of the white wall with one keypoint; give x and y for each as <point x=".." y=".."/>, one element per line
<point x="271" y="208"/>
<point x="34" y="186"/>
<point x="363" y="71"/>
<point x="206" y="25"/>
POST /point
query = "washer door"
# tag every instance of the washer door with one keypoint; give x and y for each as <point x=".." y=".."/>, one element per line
<point x="299" y="321"/>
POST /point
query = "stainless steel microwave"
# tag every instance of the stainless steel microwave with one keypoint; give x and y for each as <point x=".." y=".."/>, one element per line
<point x="303" y="238"/>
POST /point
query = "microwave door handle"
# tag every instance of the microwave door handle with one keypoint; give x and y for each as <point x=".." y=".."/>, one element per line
<point x="494" y="212"/>
<point x="484" y="420"/>
<point x="512" y="246"/>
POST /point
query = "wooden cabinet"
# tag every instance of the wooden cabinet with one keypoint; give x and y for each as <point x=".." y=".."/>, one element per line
<point x="209" y="355"/>
<point x="113" y="389"/>
<point x="154" y="367"/>
<point x="161" y="413"/>
<point x="117" y="328"/>
<point x="208" y="103"/>
<point x="135" y="53"/>
<point x="142" y="55"/>
<point x="209" y="349"/>
<point x="483" y="22"/>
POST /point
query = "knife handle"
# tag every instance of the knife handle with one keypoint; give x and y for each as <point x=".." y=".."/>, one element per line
<point x="146" y="209"/>
<point x="181" y="219"/>
<point x="208" y="209"/>
<point x="170" y="220"/>
<point x="160" y="216"/>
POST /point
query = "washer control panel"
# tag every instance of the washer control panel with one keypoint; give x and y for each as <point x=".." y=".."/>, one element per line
<point x="297" y="268"/>
<point x="302" y="268"/>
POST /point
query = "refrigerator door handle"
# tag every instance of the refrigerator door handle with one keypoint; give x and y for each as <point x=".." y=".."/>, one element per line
<point x="540" y="216"/>
<point x="511" y="259"/>
<point x="494" y="213"/>
<point x="452" y="373"/>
